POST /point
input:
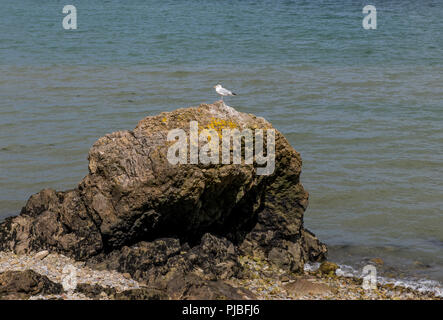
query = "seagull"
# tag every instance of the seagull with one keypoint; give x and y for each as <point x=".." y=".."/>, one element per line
<point x="223" y="92"/>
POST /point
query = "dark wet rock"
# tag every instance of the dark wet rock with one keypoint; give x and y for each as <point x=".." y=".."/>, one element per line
<point x="192" y="287"/>
<point x="95" y="291"/>
<point x="141" y="294"/>
<point x="137" y="213"/>
<point x="157" y="261"/>
<point x="313" y="249"/>
<point x="23" y="284"/>
<point x="179" y="286"/>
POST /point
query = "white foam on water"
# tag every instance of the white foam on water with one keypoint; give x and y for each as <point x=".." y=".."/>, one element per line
<point x="420" y="285"/>
<point x="311" y="266"/>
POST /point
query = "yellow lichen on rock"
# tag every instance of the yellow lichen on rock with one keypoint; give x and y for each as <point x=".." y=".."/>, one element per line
<point x="219" y="124"/>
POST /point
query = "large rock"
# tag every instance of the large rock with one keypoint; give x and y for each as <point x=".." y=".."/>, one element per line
<point x="23" y="284"/>
<point x="57" y="221"/>
<point x="134" y="196"/>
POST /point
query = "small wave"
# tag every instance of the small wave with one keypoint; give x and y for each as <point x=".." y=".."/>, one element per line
<point x="419" y="285"/>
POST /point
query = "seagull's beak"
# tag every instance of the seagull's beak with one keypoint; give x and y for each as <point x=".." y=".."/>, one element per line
<point x="214" y="87"/>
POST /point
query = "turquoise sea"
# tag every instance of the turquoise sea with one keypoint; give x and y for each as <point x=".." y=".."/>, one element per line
<point x="363" y="107"/>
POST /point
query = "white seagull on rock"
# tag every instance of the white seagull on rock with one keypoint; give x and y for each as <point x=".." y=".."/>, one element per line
<point x="223" y="92"/>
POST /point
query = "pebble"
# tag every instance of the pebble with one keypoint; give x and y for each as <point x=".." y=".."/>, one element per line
<point x="378" y="261"/>
<point x="41" y="255"/>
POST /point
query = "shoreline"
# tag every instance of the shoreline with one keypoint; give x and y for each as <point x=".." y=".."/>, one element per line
<point x="260" y="280"/>
<point x="316" y="285"/>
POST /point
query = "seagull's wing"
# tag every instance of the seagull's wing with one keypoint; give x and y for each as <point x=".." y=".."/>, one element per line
<point x="225" y="92"/>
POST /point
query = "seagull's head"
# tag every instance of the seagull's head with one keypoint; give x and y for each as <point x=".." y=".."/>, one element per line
<point x="217" y="86"/>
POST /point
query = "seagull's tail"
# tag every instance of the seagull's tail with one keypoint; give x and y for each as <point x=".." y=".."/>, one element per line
<point x="234" y="94"/>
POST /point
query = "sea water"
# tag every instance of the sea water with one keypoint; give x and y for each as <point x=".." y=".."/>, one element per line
<point x="363" y="107"/>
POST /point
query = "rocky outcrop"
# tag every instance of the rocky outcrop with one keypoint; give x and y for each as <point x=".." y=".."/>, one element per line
<point x="57" y="221"/>
<point x="138" y="213"/>
<point x="98" y="292"/>
<point x="23" y="284"/>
